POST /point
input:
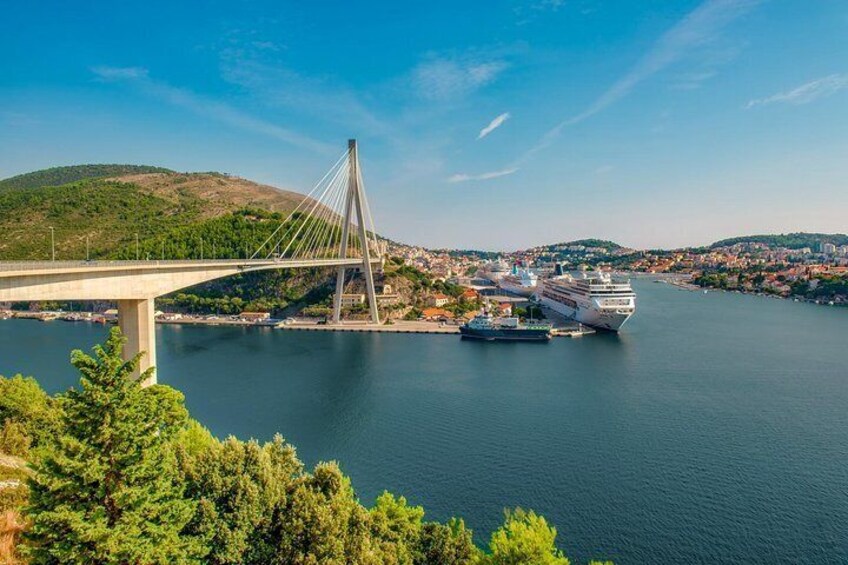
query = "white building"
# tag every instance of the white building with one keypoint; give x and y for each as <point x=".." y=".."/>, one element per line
<point x="350" y="300"/>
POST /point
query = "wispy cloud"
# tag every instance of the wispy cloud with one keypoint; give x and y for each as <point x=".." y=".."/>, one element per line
<point x="806" y="93"/>
<point x="698" y="28"/>
<point x="463" y="177"/>
<point x="528" y="11"/>
<point x="121" y="73"/>
<point x="138" y="77"/>
<point x="493" y="125"/>
<point x="443" y="78"/>
<point x="265" y="76"/>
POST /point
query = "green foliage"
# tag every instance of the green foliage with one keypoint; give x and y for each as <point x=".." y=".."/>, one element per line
<point x="323" y="522"/>
<point x="829" y="287"/>
<point x="240" y="487"/>
<point x="447" y="544"/>
<point x="788" y="240"/>
<point x="524" y="538"/>
<point x="531" y="312"/>
<point x="14" y="439"/>
<point x="396" y="529"/>
<point x="63" y="175"/>
<point x="108" y="491"/>
<point x="29" y="408"/>
<point x="108" y="212"/>
<point x="603" y="243"/>
<point x="413" y="314"/>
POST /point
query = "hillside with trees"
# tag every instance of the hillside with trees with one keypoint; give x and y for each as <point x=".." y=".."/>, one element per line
<point x="789" y="240"/>
<point x="57" y="176"/>
<point x="175" y="216"/>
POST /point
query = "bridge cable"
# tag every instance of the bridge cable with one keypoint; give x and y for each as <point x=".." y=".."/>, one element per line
<point x="297" y="208"/>
<point x="309" y="215"/>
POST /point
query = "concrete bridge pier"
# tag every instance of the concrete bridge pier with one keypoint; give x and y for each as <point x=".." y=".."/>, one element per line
<point x="139" y="327"/>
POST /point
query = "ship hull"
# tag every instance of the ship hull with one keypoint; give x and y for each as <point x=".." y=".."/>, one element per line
<point x="603" y="319"/>
<point x="516" y="288"/>
<point x="505" y="334"/>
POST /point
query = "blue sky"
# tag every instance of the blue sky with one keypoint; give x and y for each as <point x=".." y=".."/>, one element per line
<point x="496" y="124"/>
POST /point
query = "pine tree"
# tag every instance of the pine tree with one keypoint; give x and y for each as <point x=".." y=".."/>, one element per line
<point x="108" y="490"/>
<point x="524" y="538"/>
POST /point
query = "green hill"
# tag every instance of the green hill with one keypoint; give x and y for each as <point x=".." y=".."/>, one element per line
<point x="600" y="243"/>
<point x="107" y="213"/>
<point x="789" y="240"/>
<point x="63" y="175"/>
<point x="180" y="215"/>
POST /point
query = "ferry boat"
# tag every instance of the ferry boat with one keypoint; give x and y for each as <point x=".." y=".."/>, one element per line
<point x="521" y="281"/>
<point x="484" y="326"/>
<point x="594" y="299"/>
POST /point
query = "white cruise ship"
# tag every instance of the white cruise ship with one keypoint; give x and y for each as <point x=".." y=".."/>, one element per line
<point x="594" y="299"/>
<point x="495" y="270"/>
<point x="520" y="281"/>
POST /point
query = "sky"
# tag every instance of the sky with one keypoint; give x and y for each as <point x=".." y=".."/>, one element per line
<point x="497" y="124"/>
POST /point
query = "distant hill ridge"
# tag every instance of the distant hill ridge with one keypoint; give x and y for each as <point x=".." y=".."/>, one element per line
<point x="790" y="240"/>
<point x="56" y="176"/>
<point x="591" y="242"/>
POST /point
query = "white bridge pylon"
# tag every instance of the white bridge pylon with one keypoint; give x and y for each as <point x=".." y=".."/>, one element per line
<point x="334" y="221"/>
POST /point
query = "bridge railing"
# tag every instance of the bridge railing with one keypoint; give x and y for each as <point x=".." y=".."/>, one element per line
<point x="43" y="265"/>
<point x="36" y="265"/>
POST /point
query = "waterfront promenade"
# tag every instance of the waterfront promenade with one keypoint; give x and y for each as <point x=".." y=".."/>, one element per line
<point x="562" y="327"/>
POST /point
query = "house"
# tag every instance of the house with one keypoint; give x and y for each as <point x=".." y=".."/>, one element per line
<point x="436" y="314"/>
<point x="469" y="295"/>
<point x="388" y="298"/>
<point x="505" y="309"/>
<point x="350" y="300"/>
<point x="172" y="316"/>
<point x="254" y="316"/>
<point x="438" y="300"/>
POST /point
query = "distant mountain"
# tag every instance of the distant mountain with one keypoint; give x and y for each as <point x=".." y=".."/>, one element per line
<point x="179" y="209"/>
<point x="601" y="243"/>
<point x="57" y="176"/>
<point x="789" y="240"/>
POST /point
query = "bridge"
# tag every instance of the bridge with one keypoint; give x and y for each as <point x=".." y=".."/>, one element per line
<point x="332" y="227"/>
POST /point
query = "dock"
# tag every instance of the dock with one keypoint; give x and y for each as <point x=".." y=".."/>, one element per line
<point x="400" y="326"/>
<point x="565" y="327"/>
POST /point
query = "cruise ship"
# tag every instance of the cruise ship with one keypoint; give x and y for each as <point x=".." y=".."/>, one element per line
<point x="520" y="281"/>
<point x="495" y="270"/>
<point x="594" y="299"/>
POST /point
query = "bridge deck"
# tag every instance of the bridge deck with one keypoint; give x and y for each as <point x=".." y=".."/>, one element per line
<point x="24" y="268"/>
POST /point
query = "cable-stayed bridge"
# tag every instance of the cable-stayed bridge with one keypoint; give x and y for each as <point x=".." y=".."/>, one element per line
<point x="332" y="227"/>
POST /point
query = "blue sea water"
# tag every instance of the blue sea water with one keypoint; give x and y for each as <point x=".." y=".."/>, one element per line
<point x="713" y="429"/>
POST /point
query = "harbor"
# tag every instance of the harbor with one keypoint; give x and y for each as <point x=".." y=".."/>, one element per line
<point x="562" y="326"/>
